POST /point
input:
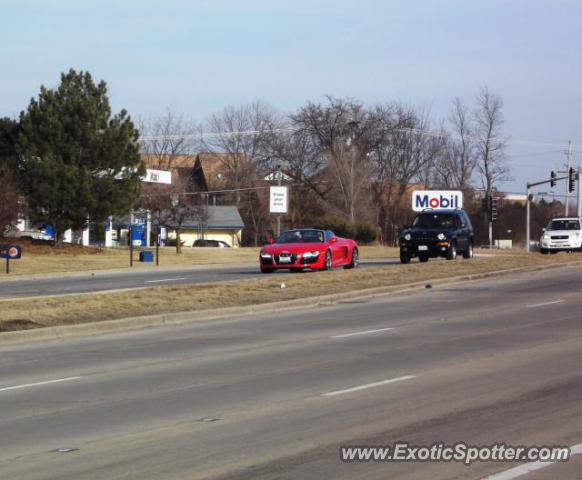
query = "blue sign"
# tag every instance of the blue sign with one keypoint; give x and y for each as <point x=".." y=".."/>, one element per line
<point x="11" y="252"/>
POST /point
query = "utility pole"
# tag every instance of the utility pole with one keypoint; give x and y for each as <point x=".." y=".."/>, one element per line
<point x="569" y="165"/>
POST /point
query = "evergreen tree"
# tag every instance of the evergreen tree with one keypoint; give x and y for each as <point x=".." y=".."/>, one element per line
<point x="76" y="159"/>
<point x="8" y="134"/>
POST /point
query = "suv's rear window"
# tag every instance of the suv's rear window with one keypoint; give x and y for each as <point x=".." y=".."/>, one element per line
<point x="564" y="225"/>
<point x="434" y="220"/>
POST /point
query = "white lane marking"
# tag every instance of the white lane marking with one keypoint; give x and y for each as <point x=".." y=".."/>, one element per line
<point x="530" y="467"/>
<point x="38" y="384"/>
<point x="365" y="332"/>
<point x="368" y="385"/>
<point x="164" y="280"/>
<point x="553" y="302"/>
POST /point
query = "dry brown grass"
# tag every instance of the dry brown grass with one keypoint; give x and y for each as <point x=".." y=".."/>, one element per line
<point x="57" y="261"/>
<point x="76" y="309"/>
<point x="41" y="259"/>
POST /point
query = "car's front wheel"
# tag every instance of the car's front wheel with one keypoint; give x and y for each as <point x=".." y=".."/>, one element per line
<point x="468" y="253"/>
<point x="452" y="252"/>
<point x="544" y="251"/>
<point x="404" y="258"/>
<point x="423" y="258"/>
<point x="327" y="265"/>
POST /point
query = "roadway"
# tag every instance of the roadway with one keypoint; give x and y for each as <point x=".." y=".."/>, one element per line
<point x="139" y="278"/>
<point x="275" y="396"/>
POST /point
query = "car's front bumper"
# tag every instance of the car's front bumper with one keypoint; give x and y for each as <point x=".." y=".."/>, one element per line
<point x="562" y="244"/>
<point x="275" y="262"/>
<point x="430" y="249"/>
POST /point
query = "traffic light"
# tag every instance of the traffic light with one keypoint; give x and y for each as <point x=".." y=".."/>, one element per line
<point x="553" y="179"/>
<point x="571" y="180"/>
<point x="492" y="208"/>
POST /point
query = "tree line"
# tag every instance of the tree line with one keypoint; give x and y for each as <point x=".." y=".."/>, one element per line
<point x="68" y="158"/>
<point x="350" y="165"/>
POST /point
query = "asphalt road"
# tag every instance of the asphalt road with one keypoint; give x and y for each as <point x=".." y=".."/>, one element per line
<point x="140" y="278"/>
<point x="275" y="396"/>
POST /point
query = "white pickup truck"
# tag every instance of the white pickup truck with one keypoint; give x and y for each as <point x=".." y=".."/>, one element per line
<point x="29" y="234"/>
<point x="562" y="235"/>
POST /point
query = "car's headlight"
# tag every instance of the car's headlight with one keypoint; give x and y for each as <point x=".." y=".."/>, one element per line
<point x="407" y="237"/>
<point x="441" y="236"/>
<point x="265" y="255"/>
<point x="575" y="235"/>
<point x="546" y="236"/>
<point x="310" y="254"/>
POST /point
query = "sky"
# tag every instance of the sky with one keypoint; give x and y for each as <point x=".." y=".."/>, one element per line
<point x="197" y="57"/>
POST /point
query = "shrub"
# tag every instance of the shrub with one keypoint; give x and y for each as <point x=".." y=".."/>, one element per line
<point x="361" y="232"/>
<point x="364" y="233"/>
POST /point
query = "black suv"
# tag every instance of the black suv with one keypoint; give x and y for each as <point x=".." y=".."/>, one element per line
<point x="437" y="233"/>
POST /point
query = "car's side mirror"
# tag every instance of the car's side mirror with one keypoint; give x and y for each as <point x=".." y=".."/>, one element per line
<point x="543" y="229"/>
<point x="270" y="241"/>
<point x="333" y="239"/>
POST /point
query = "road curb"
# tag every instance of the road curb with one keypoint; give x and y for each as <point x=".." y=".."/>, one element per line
<point x="159" y="320"/>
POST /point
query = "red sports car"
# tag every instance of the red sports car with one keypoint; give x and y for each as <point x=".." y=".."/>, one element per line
<point x="308" y="248"/>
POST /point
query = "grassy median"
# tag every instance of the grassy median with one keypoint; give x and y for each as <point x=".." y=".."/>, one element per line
<point x="75" y="309"/>
<point x="42" y="259"/>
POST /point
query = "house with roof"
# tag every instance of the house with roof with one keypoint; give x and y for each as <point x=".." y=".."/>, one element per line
<point x="205" y="172"/>
<point x="222" y="223"/>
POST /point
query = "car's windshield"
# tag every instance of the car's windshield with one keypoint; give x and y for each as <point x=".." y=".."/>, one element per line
<point x="301" y="236"/>
<point x="564" y="225"/>
<point x="434" y="220"/>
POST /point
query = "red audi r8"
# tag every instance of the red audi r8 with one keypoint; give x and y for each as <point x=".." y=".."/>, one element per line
<point x="310" y="248"/>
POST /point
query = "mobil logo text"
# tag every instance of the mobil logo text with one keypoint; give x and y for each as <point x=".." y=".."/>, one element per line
<point x="436" y="200"/>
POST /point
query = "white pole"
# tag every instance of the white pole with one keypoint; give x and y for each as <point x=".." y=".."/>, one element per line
<point x="85" y="240"/>
<point x="527" y="219"/>
<point x="148" y="228"/>
<point x="109" y="232"/>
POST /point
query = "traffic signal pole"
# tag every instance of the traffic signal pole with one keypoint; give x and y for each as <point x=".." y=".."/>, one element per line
<point x="569" y="168"/>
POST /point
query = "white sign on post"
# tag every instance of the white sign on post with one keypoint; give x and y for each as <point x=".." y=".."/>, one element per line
<point x="436" y="200"/>
<point x="278" y="200"/>
<point x="158" y="176"/>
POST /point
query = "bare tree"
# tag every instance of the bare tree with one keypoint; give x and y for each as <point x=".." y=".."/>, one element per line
<point x="244" y="136"/>
<point x="342" y="131"/>
<point x="490" y="142"/>
<point x="405" y="151"/>
<point x="455" y="166"/>
<point x="462" y="148"/>
<point x="166" y="137"/>
<point x="244" y="133"/>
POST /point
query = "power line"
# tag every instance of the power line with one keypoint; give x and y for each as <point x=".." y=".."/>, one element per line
<point x="538" y="154"/>
<point x="414" y="131"/>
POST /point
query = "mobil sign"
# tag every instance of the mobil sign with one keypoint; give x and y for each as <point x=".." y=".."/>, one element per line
<point x="436" y="199"/>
